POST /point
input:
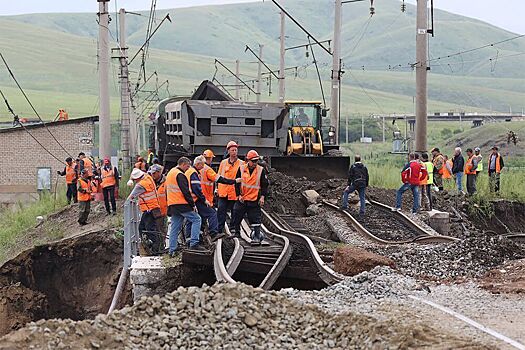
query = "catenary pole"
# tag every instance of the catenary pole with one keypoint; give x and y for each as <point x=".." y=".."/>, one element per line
<point x="104" y="124"/>
<point x="421" y="76"/>
<point x="282" y="86"/>
<point x="124" y="94"/>
<point x="336" y="70"/>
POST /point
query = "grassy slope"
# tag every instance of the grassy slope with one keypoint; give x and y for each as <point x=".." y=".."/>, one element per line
<point x="55" y="55"/>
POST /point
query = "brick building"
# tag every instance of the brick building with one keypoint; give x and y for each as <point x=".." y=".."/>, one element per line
<point x="26" y="168"/>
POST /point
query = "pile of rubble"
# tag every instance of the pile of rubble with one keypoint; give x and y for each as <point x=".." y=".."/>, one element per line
<point x="226" y="316"/>
<point x="470" y="257"/>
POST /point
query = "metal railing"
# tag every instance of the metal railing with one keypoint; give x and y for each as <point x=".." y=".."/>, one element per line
<point x="131" y="246"/>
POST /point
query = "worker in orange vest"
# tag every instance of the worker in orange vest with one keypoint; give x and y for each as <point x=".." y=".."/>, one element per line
<point x="181" y="206"/>
<point x="145" y="191"/>
<point x="495" y="165"/>
<point x="160" y="181"/>
<point x="141" y="164"/>
<point x="109" y="177"/>
<point x="209" y="177"/>
<point x="85" y="163"/>
<point x="447" y="169"/>
<point x="71" y="173"/>
<point x="84" y="197"/>
<point x="471" y="166"/>
<point x="230" y="168"/>
<point x="251" y="193"/>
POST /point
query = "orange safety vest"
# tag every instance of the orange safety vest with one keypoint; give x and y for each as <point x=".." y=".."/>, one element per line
<point x="498" y="166"/>
<point x="86" y="186"/>
<point x="149" y="199"/>
<point x="173" y="191"/>
<point x="163" y="200"/>
<point x="468" y="167"/>
<point x="229" y="171"/>
<point x="208" y="178"/>
<point x="108" y="178"/>
<point x="188" y="174"/>
<point x="88" y="165"/>
<point x="446" y="172"/>
<point x="251" y="184"/>
<point x="141" y="166"/>
<point x="71" y="174"/>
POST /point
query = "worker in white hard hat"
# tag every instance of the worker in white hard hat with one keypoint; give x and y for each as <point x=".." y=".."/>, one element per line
<point x="145" y="191"/>
<point x="230" y="168"/>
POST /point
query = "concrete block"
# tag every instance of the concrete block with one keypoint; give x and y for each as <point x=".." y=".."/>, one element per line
<point x="310" y="197"/>
<point x="439" y="221"/>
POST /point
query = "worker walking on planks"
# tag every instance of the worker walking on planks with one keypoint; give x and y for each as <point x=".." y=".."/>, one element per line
<point x="181" y="206"/>
<point x="412" y="174"/>
<point x="71" y="173"/>
<point x="251" y="193"/>
<point x="230" y="168"/>
<point x="357" y="181"/>
<point x="84" y="197"/>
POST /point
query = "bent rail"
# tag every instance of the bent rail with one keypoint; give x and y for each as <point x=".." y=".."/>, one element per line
<point x="328" y="275"/>
<point x="221" y="273"/>
<point x="280" y="263"/>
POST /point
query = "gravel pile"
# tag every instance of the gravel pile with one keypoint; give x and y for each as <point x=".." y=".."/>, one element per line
<point x="467" y="258"/>
<point x="220" y="316"/>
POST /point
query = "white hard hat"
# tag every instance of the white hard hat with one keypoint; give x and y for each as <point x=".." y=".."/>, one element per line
<point x="136" y="174"/>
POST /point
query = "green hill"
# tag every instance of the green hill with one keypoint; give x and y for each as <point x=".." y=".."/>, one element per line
<point x="54" y="56"/>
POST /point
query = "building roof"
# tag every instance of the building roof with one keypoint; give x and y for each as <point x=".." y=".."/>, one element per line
<point x="93" y="119"/>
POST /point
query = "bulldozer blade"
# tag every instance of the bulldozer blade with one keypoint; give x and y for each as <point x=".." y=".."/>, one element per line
<point x="313" y="168"/>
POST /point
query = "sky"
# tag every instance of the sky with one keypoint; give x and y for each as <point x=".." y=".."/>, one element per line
<point x="507" y="14"/>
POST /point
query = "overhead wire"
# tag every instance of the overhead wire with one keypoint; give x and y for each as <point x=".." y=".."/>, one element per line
<point x="366" y="92"/>
<point x="31" y="104"/>
<point x="18" y="122"/>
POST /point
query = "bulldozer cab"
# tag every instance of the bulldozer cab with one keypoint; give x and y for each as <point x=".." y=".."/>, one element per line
<point x="305" y="114"/>
<point x="304" y="131"/>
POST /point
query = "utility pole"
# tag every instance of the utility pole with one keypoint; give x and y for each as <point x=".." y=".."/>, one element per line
<point x="336" y="70"/>
<point x="237" y="81"/>
<point x="124" y="95"/>
<point x="104" y="125"/>
<point x="421" y="76"/>
<point x="259" y="74"/>
<point x="282" y="86"/>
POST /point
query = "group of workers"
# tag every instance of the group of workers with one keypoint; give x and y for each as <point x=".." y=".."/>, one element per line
<point x="421" y="174"/>
<point x="84" y="178"/>
<point x="187" y="194"/>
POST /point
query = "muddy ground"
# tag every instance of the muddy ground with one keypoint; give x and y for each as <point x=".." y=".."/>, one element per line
<point x="73" y="278"/>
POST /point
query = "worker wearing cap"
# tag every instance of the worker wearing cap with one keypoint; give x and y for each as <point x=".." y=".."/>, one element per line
<point x="160" y="181"/>
<point x="438" y="164"/>
<point x="84" y="197"/>
<point x="209" y="177"/>
<point x="145" y="191"/>
<point x="181" y="206"/>
<point x="230" y="168"/>
<point x="495" y="165"/>
<point x="251" y="193"/>
<point x="71" y="173"/>
<point x="109" y="177"/>
<point x="204" y="206"/>
<point x="479" y="160"/>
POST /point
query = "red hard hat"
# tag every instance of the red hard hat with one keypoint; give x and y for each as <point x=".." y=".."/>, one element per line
<point x="232" y="144"/>
<point x="252" y="154"/>
<point x="208" y="153"/>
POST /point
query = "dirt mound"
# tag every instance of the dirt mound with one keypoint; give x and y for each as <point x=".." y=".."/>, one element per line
<point x="285" y="192"/>
<point x="229" y="316"/>
<point x="509" y="278"/>
<point x="73" y="278"/>
<point x="351" y="261"/>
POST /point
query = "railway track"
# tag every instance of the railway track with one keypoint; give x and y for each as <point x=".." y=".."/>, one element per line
<point x="384" y="226"/>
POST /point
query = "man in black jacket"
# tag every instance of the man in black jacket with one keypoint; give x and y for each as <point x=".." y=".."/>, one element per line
<point x="357" y="180"/>
<point x="458" y="165"/>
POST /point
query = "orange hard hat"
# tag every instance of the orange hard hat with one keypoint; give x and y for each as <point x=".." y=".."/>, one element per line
<point x="252" y="155"/>
<point x="232" y="144"/>
<point x="208" y="153"/>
